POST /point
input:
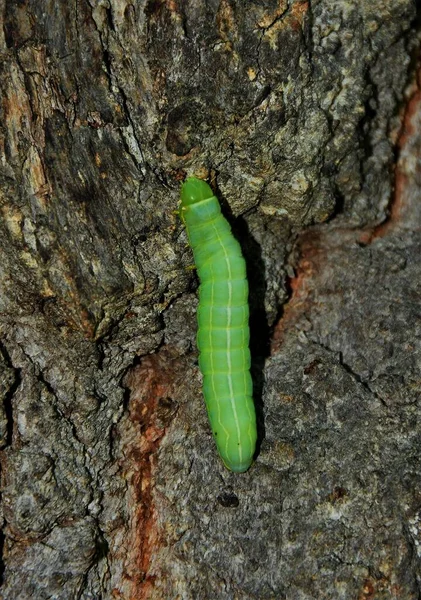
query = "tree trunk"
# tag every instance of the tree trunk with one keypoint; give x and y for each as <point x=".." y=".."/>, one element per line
<point x="305" y="116"/>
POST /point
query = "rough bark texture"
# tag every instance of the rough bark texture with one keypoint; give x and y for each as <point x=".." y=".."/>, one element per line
<point x="305" y="115"/>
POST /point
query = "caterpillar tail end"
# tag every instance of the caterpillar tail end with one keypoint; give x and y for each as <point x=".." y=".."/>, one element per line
<point x="237" y="467"/>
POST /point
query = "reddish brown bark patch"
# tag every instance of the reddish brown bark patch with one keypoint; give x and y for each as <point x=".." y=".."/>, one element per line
<point x="310" y="252"/>
<point x="315" y="245"/>
<point x="407" y="169"/>
<point x="151" y="410"/>
<point x="298" y="12"/>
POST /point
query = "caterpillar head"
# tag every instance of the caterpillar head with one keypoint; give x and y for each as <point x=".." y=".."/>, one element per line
<point x="194" y="190"/>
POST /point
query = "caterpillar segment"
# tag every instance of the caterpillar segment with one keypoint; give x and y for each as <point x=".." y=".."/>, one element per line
<point x="223" y="329"/>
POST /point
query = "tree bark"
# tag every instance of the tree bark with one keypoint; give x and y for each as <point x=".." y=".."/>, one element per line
<point x="305" y="116"/>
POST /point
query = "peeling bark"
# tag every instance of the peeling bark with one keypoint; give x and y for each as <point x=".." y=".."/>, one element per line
<point x="305" y="117"/>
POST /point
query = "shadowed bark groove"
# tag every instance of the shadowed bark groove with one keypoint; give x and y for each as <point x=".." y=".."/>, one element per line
<point x="305" y="117"/>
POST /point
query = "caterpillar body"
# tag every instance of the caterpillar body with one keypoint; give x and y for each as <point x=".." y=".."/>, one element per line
<point x="223" y="330"/>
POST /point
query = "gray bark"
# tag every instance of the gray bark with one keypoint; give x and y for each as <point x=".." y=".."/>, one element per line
<point x="305" y="117"/>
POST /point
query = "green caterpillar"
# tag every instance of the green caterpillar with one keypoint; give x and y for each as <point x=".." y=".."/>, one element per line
<point x="223" y="331"/>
